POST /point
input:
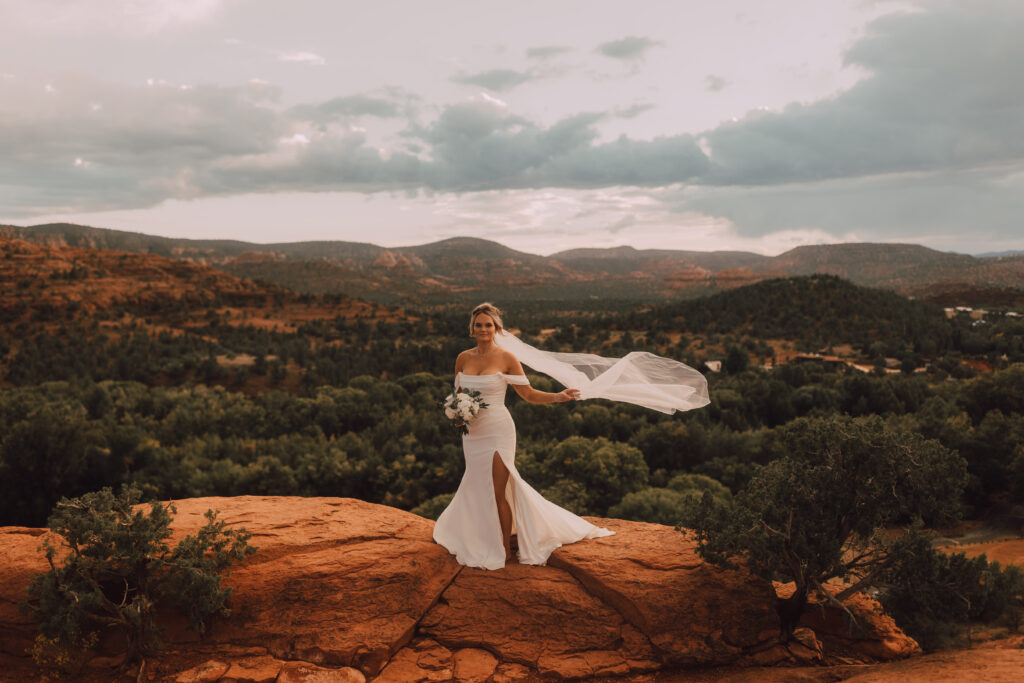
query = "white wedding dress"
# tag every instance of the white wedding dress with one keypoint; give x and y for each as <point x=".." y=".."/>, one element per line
<point x="469" y="527"/>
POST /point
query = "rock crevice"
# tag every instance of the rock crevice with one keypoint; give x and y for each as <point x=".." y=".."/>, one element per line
<point x="362" y="589"/>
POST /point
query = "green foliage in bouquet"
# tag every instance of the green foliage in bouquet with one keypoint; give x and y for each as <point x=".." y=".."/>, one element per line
<point x="819" y="512"/>
<point x="114" y="565"/>
<point x="933" y="596"/>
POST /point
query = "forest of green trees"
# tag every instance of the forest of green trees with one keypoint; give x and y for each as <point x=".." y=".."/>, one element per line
<point x="350" y="406"/>
<point x="384" y="440"/>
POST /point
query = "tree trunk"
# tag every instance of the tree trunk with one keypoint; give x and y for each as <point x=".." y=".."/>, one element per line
<point x="790" y="610"/>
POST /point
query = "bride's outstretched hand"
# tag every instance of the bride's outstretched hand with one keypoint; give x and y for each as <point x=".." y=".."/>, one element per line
<point x="568" y="395"/>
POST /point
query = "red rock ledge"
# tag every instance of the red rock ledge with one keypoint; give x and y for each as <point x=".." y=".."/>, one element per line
<point x="343" y="590"/>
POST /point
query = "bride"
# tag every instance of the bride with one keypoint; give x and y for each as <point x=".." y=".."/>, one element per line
<point x="493" y="502"/>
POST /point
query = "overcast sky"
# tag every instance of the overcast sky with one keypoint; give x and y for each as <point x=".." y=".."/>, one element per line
<point x="683" y="124"/>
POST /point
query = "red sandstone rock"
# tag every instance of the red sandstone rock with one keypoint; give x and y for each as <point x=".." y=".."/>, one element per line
<point x="875" y="636"/>
<point x="301" y="672"/>
<point x="336" y="581"/>
<point x="524" y="613"/>
<point x="343" y="582"/>
<point x="255" y="669"/>
<point x="207" y="672"/>
<point x="473" y="665"/>
<point x="432" y="655"/>
<point x="22" y="559"/>
<point x="691" y="612"/>
<point x="509" y="672"/>
<point x="405" y="667"/>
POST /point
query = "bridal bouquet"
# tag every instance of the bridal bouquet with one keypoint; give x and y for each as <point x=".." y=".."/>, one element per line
<point x="462" y="407"/>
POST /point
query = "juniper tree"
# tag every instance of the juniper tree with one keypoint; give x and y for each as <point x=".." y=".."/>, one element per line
<point x="114" y="565"/>
<point x="818" y="512"/>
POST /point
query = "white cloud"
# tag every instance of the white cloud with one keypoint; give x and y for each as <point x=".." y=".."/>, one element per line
<point x="494" y="100"/>
<point x="634" y="111"/>
<point x="933" y="135"/>
<point x="302" y="57"/>
<point x="125" y="17"/>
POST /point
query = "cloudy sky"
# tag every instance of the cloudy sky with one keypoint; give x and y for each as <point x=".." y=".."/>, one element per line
<point x="544" y="125"/>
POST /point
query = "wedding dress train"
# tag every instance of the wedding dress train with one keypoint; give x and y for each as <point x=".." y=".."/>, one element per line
<point x="469" y="527"/>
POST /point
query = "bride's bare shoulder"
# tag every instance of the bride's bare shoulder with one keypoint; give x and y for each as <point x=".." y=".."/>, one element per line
<point x="512" y="364"/>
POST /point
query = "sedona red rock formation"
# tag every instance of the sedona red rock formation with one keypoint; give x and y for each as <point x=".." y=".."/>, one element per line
<point x="361" y="590"/>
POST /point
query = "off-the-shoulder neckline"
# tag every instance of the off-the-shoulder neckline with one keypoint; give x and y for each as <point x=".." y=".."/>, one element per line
<point x="489" y="374"/>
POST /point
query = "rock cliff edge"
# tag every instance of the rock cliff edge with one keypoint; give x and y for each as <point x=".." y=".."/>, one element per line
<point x="346" y="590"/>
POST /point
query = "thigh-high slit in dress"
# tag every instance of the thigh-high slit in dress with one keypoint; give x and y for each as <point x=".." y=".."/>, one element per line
<point x="469" y="527"/>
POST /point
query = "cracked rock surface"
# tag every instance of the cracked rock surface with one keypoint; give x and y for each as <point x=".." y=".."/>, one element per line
<point x="348" y="586"/>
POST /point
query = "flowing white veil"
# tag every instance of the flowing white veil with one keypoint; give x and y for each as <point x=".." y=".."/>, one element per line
<point x="639" y="377"/>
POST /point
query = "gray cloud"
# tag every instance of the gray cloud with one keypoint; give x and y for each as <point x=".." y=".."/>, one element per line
<point x="715" y="83"/>
<point x="142" y="145"/>
<point x="479" y="146"/>
<point x="329" y="163"/>
<point x="497" y="80"/>
<point x="933" y="135"/>
<point x="944" y="93"/>
<point x="628" y="49"/>
<point x="911" y="206"/>
<point x="82" y="144"/>
<point x="349" y="106"/>
<point x="623" y="223"/>
<point x="472" y="147"/>
<point x="547" y="51"/>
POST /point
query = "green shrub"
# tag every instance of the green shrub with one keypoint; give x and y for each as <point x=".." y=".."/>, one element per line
<point x="653" y="504"/>
<point x="432" y="508"/>
<point x="114" y="565"/>
<point x="673" y="505"/>
<point x="818" y="512"/>
<point x="933" y="596"/>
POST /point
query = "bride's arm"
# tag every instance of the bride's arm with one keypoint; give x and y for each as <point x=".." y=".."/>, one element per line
<point x="531" y="395"/>
<point x="460" y="362"/>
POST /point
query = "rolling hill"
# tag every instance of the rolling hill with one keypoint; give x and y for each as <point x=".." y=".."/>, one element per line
<point x="464" y="269"/>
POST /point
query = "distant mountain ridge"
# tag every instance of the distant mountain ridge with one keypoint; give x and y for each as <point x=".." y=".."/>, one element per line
<point x="471" y="268"/>
<point x="996" y="254"/>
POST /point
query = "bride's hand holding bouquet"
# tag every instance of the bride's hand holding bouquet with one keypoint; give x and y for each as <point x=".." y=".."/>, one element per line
<point x="462" y="407"/>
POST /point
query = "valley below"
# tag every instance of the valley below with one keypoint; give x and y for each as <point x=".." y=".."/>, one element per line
<point x="296" y="387"/>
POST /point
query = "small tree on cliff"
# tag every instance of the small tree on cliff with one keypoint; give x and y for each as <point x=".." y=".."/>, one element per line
<point x="816" y="513"/>
<point x="116" y="564"/>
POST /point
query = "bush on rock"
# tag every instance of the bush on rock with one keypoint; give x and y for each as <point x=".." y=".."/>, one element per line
<point x="114" y="564"/>
<point x="819" y="511"/>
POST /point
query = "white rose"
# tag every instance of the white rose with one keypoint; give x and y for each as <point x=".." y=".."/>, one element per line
<point x="449" y="413"/>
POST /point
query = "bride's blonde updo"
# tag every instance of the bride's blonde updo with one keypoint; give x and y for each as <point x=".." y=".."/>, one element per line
<point x="491" y="310"/>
